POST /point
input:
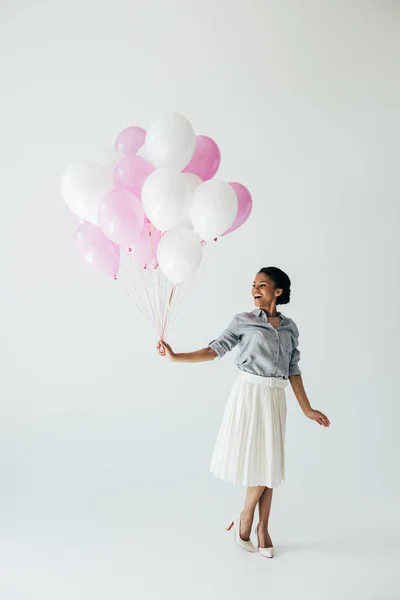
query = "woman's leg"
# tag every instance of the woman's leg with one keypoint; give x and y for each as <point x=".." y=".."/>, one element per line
<point x="264" y="509"/>
<point x="253" y="495"/>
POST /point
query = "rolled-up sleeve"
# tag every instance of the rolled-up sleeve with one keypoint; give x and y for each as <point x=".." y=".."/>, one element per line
<point x="294" y="368"/>
<point x="228" y="339"/>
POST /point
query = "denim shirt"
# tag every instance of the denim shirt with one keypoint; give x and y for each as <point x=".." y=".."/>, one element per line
<point x="263" y="349"/>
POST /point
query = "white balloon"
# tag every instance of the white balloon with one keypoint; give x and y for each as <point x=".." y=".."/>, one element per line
<point x="83" y="186"/>
<point x="214" y="208"/>
<point x="186" y="223"/>
<point x="171" y="141"/>
<point x="144" y="153"/>
<point x="179" y="254"/>
<point x="192" y="183"/>
<point x="163" y="197"/>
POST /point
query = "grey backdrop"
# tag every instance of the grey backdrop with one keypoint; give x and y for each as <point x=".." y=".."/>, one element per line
<point x="105" y="449"/>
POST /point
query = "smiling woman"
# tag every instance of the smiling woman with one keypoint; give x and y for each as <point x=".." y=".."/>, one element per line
<point x="250" y="445"/>
<point x="271" y="282"/>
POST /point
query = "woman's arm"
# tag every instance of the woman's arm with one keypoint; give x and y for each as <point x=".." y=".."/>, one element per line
<point x="296" y="382"/>
<point x="203" y="355"/>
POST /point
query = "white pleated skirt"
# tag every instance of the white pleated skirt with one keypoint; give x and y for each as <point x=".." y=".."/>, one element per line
<point x="250" y="446"/>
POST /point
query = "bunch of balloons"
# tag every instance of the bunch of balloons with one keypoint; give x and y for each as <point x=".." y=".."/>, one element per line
<point x="154" y="196"/>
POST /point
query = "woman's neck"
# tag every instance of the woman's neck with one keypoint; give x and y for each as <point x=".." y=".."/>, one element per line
<point x="270" y="312"/>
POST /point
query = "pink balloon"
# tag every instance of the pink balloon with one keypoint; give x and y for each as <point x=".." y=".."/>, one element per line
<point x="96" y="249"/>
<point x="144" y="251"/>
<point x="206" y="158"/>
<point x="245" y="205"/>
<point x="131" y="173"/>
<point x="121" y="217"/>
<point x="130" y="140"/>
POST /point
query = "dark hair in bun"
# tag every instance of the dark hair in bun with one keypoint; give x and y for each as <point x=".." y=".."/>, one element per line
<point x="281" y="281"/>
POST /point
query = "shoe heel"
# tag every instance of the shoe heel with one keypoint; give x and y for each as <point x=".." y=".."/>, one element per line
<point x="244" y="544"/>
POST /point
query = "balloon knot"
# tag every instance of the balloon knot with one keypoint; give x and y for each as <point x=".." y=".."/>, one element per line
<point x="215" y="239"/>
<point x="115" y="278"/>
<point x="129" y="249"/>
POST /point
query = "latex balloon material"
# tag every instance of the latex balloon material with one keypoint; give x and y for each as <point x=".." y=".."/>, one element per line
<point x="245" y="206"/>
<point x="83" y="187"/>
<point x="144" y="154"/>
<point x="192" y="183"/>
<point x="130" y="140"/>
<point x="214" y="208"/>
<point x="152" y="200"/>
<point x="206" y="158"/>
<point x="121" y="217"/>
<point x="163" y="197"/>
<point x="144" y="251"/>
<point x="131" y="173"/>
<point x="97" y="250"/>
<point x="170" y="142"/>
<point x="179" y="254"/>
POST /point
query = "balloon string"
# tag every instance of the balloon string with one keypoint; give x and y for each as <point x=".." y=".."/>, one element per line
<point x="148" y="312"/>
<point x="175" y="302"/>
<point x="151" y="242"/>
<point x="153" y="313"/>
<point x="163" y="287"/>
<point x="168" y="309"/>
<point x="136" y="299"/>
<point x="138" y="302"/>
<point x="159" y="300"/>
<point x="127" y="291"/>
<point x="191" y="284"/>
<point x="157" y="288"/>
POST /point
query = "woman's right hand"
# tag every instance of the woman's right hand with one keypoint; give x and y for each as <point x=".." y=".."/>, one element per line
<point x="165" y="350"/>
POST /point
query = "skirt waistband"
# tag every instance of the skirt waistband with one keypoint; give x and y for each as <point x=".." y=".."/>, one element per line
<point x="272" y="382"/>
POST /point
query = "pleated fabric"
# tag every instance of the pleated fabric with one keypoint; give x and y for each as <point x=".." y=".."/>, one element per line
<point x="250" y="445"/>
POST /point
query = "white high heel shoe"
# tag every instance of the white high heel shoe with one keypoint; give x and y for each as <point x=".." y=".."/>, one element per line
<point x="244" y="544"/>
<point x="266" y="552"/>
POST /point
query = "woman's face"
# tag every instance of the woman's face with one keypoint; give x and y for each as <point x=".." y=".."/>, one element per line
<point x="264" y="291"/>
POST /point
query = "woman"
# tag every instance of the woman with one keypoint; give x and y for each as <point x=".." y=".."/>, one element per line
<point x="250" y="446"/>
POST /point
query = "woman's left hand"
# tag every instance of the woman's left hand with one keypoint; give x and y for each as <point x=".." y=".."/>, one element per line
<point x="318" y="416"/>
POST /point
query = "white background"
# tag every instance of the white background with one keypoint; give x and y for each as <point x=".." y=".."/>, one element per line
<point x="105" y="448"/>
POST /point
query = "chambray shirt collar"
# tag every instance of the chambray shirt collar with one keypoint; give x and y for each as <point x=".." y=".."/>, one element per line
<point x="258" y="312"/>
